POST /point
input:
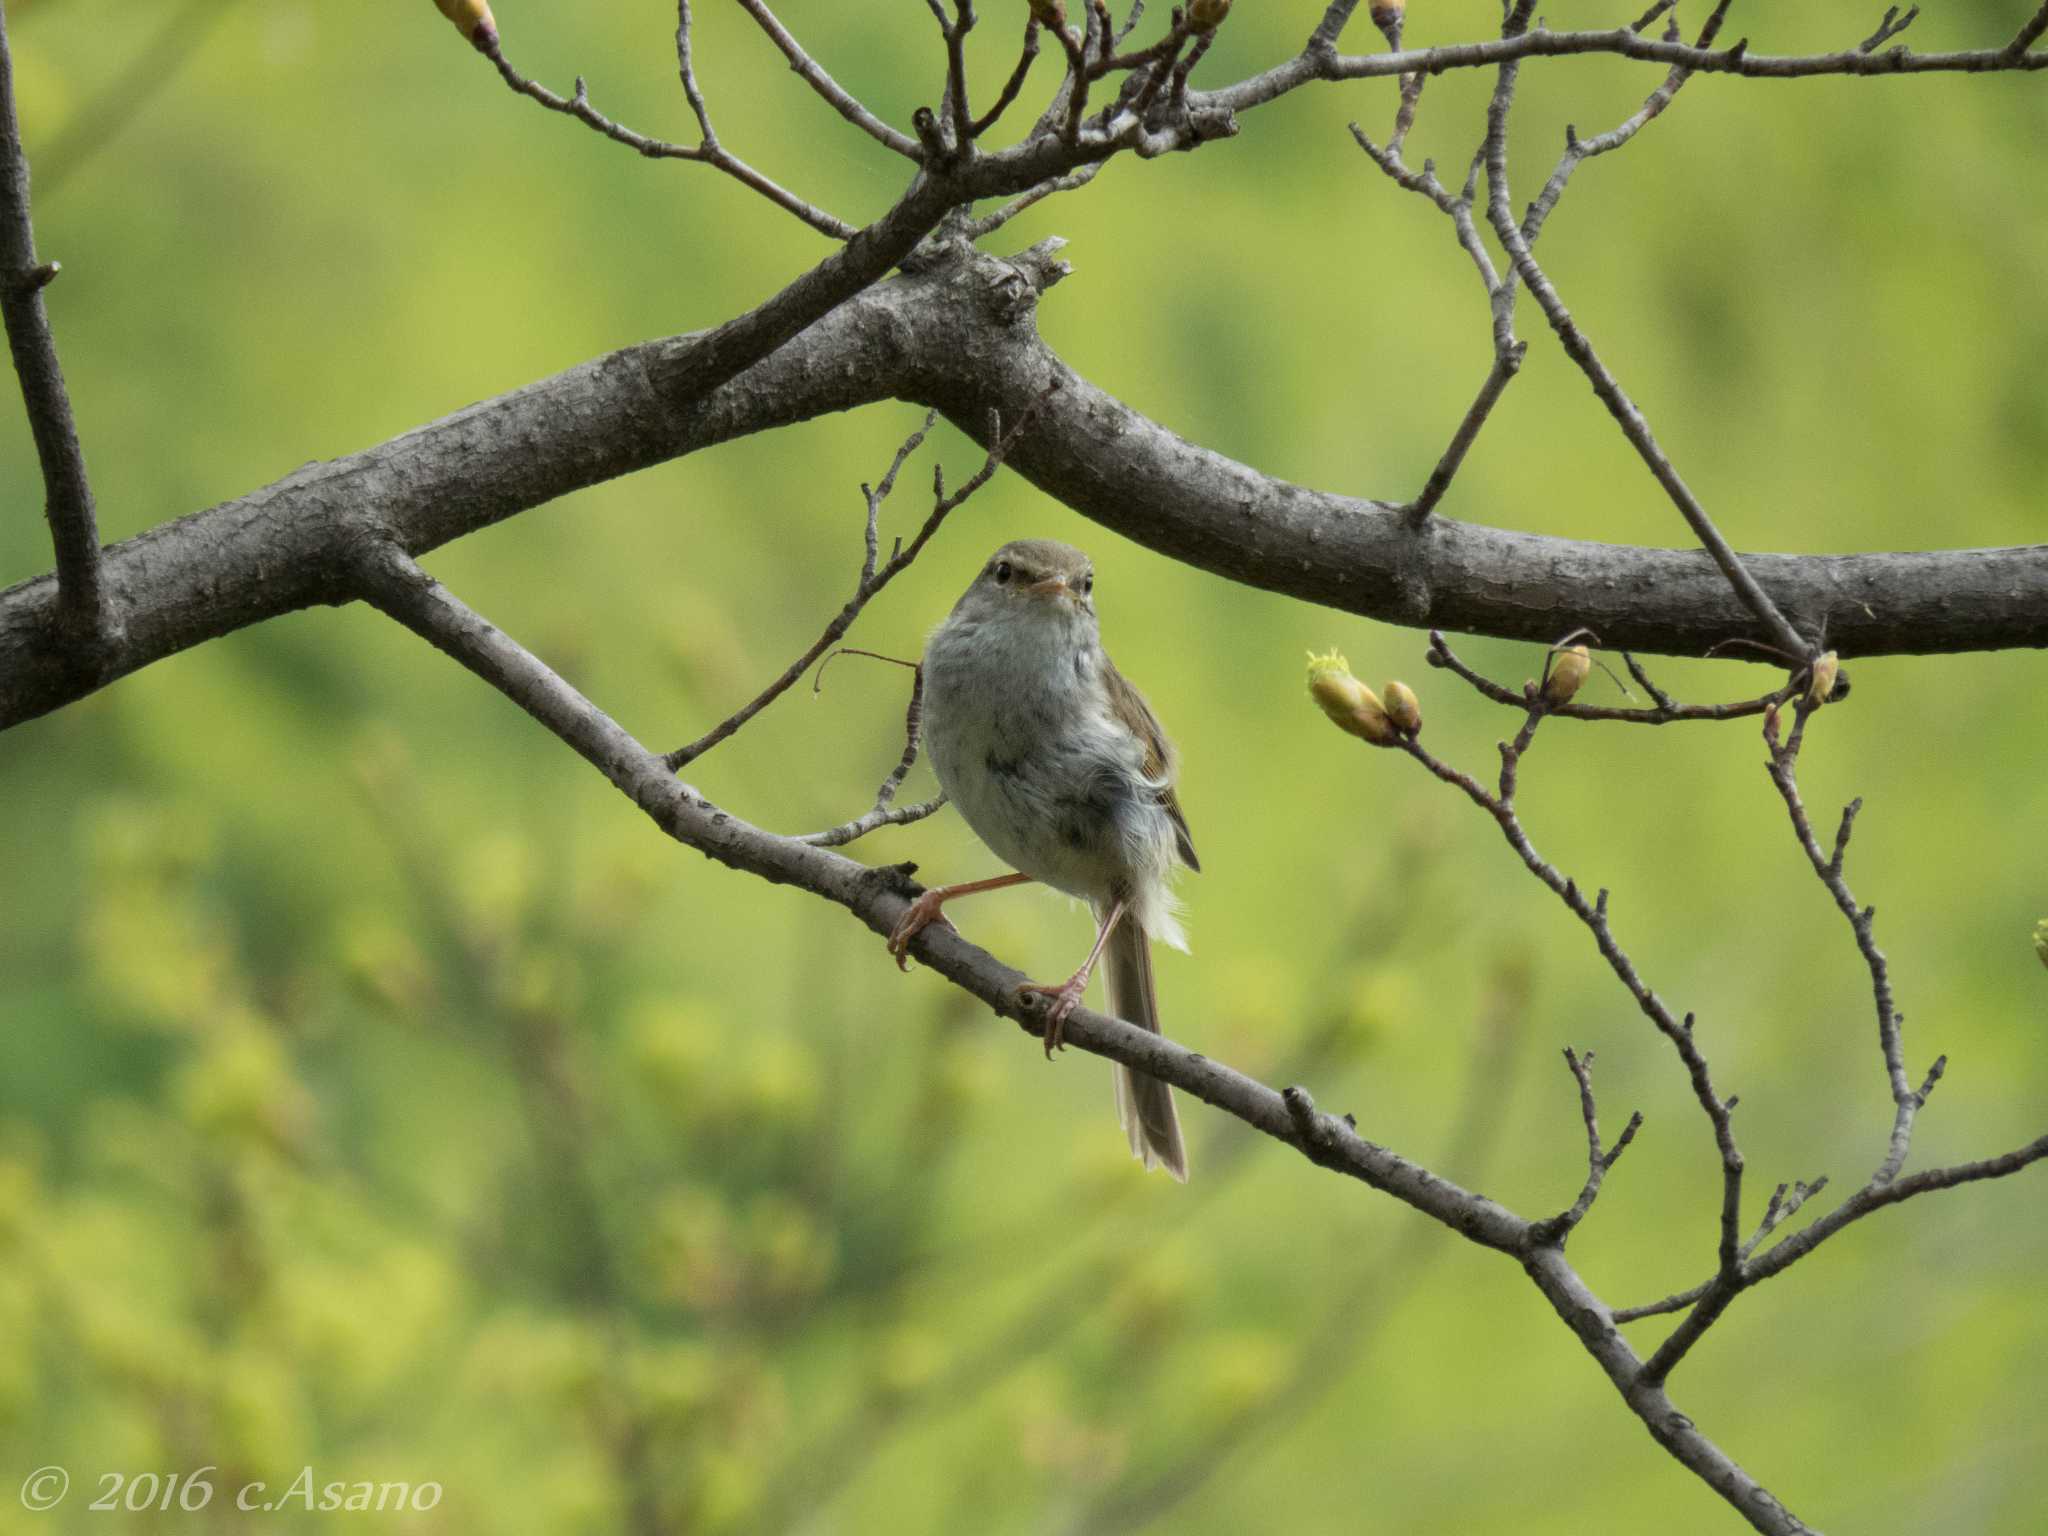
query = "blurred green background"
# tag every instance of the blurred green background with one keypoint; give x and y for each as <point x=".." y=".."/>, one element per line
<point x="380" y="1092"/>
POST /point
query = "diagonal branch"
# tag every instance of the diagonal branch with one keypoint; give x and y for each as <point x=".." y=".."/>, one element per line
<point x="840" y="99"/>
<point x="1906" y="1100"/>
<point x="710" y="152"/>
<point x="873" y="577"/>
<point x="1631" y="420"/>
<point x="82" y="607"/>
<point x="1599" y="1157"/>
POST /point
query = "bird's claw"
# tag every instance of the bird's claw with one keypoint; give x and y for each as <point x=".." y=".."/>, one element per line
<point x="1065" y="998"/>
<point x="918" y="916"/>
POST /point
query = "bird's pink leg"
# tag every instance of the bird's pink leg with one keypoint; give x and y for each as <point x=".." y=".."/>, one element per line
<point x="1066" y="995"/>
<point x="924" y="911"/>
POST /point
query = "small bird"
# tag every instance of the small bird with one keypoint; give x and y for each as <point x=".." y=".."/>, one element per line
<point x="1060" y="767"/>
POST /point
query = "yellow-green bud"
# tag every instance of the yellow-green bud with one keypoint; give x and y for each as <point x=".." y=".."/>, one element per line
<point x="1207" y="15"/>
<point x="1403" y="708"/>
<point x="1050" y="13"/>
<point x="470" y="16"/>
<point x="1568" y="671"/>
<point x="1351" y="706"/>
<point x="1820" y="687"/>
<point x="2041" y="940"/>
<point x="1386" y="15"/>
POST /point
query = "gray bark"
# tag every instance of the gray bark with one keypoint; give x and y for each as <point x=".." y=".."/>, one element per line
<point x="957" y="334"/>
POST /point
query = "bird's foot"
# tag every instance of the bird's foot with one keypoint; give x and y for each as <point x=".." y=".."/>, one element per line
<point x="1066" y="997"/>
<point x="920" y="915"/>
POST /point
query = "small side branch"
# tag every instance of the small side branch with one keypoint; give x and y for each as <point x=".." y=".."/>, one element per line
<point x="841" y="100"/>
<point x="1634" y="426"/>
<point x="1500" y="805"/>
<point x="2027" y="36"/>
<point x="710" y="152"/>
<point x="83" y="610"/>
<point x="1666" y="711"/>
<point x="1782" y="765"/>
<point x="875" y="573"/>
<point x="885" y="812"/>
<point x="1014" y="84"/>
<point x="1599" y="1158"/>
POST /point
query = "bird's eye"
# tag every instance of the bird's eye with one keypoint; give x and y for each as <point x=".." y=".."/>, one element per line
<point x="1088" y="584"/>
<point x="1002" y="572"/>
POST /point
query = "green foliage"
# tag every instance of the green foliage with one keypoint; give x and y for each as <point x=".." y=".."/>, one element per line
<point x="380" y="1092"/>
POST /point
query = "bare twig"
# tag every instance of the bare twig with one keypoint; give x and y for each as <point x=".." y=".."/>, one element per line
<point x="1889" y="28"/>
<point x="873" y="576"/>
<point x="83" y="607"/>
<point x="1906" y="1100"/>
<point x="814" y="75"/>
<point x="988" y="224"/>
<point x="1500" y="805"/>
<point x="1667" y="711"/>
<point x="959" y="114"/>
<point x="2026" y="37"/>
<point x="1599" y="1158"/>
<point x="1014" y="84"/>
<point x="710" y="152"/>
<point x="686" y="70"/>
<point x="1631" y="420"/>
<point x="884" y="812"/>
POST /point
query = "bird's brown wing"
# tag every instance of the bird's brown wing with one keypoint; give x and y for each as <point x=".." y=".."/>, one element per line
<point x="1130" y="707"/>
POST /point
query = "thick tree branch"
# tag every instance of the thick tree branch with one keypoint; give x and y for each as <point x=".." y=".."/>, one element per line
<point x="82" y="609"/>
<point x="955" y="335"/>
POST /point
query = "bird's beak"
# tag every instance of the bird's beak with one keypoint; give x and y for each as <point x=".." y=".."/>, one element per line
<point x="1052" y="586"/>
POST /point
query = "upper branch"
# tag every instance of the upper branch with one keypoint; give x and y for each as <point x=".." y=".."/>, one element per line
<point x="82" y="606"/>
<point x="957" y="335"/>
<point x="709" y="152"/>
<point x="1324" y="63"/>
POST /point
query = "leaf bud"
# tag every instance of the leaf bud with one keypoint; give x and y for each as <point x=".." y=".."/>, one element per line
<point x="1207" y="15"/>
<point x="1387" y="16"/>
<point x="1050" y="13"/>
<point x="1820" y="686"/>
<point x="1568" y="672"/>
<point x="1403" y="708"/>
<point x="472" y="18"/>
<point x="1351" y="706"/>
<point x="2041" y="940"/>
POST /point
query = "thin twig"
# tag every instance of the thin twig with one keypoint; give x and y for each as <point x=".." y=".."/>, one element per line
<point x="958" y="112"/>
<point x="1599" y="1158"/>
<point x="710" y="152"/>
<point x="988" y="224"/>
<point x="1892" y="25"/>
<point x="1500" y="805"/>
<point x="686" y="69"/>
<point x="1014" y="84"/>
<point x="2027" y="35"/>
<point x="1667" y="711"/>
<point x="841" y="100"/>
<point x="1827" y="866"/>
<point x="83" y="606"/>
<point x="1631" y="420"/>
<point x="873" y="577"/>
<point x="884" y="812"/>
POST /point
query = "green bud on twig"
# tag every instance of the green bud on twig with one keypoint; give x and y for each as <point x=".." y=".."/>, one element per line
<point x="1352" y="707"/>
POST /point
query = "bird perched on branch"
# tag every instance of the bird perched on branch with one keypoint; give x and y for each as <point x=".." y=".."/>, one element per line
<point x="1060" y="767"/>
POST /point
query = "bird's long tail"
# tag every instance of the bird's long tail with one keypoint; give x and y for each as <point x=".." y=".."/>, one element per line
<point x="1144" y="1105"/>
